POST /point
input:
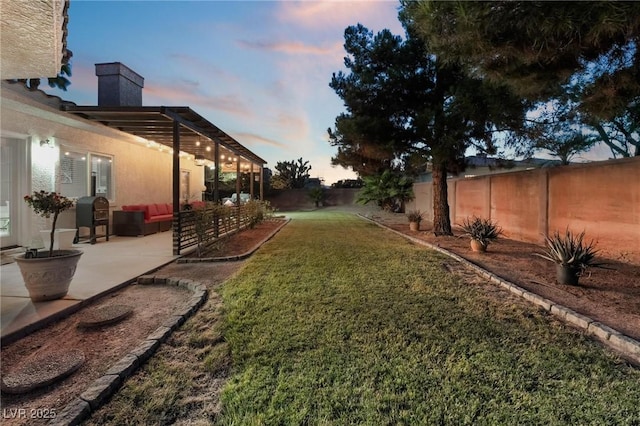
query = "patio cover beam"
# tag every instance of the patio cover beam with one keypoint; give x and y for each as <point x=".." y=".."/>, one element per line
<point x="157" y="124"/>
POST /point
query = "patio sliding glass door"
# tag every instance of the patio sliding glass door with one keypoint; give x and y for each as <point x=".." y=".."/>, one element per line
<point x="10" y="159"/>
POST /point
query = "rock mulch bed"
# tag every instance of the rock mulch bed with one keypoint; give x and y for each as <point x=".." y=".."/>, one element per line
<point x="104" y="315"/>
<point x="42" y="370"/>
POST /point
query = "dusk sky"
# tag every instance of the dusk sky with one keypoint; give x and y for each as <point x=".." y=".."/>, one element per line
<point x="259" y="70"/>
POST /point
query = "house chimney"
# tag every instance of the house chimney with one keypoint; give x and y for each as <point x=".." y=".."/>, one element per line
<point x="118" y="85"/>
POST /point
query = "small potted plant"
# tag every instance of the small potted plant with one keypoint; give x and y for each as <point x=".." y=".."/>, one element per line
<point x="47" y="275"/>
<point x="571" y="254"/>
<point x="415" y="217"/>
<point x="481" y="231"/>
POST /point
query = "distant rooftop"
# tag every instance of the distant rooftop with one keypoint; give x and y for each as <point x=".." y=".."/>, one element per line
<point x="478" y="165"/>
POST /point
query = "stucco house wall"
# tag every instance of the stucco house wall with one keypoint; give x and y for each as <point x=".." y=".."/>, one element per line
<point x="140" y="174"/>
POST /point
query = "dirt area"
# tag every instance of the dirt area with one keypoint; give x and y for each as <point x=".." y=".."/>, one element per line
<point x="233" y="246"/>
<point x="104" y="346"/>
<point x="609" y="296"/>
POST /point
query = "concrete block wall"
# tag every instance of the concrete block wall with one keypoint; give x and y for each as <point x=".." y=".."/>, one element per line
<point x="600" y="198"/>
<point x="298" y="199"/>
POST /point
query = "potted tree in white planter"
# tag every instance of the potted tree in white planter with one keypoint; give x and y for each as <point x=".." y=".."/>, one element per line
<point x="47" y="274"/>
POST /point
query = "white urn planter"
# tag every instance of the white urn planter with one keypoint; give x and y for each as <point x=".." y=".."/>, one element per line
<point x="48" y="278"/>
<point x="63" y="239"/>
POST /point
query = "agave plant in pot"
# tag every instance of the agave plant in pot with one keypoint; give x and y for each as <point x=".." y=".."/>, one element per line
<point x="47" y="274"/>
<point x="415" y="217"/>
<point x="481" y="231"/>
<point x="571" y="254"/>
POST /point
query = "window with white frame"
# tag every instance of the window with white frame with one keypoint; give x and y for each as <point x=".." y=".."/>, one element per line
<point x="85" y="173"/>
<point x="101" y="175"/>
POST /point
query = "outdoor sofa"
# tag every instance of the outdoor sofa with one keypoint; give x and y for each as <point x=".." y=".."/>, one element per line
<point x="145" y="219"/>
<point x="142" y="219"/>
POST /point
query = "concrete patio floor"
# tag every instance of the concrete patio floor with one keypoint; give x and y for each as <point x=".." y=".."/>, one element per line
<point x="103" y="267"/>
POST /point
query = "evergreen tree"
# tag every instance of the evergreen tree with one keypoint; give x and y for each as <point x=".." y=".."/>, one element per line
<point x="585" y="50"/>
<point x="405" y="107"/>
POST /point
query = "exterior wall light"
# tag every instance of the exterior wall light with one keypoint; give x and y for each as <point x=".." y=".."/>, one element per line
<point x="47" y="142"/>
<point x="199" y="159"/>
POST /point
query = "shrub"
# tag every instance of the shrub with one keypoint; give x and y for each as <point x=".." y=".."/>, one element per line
<point x="389" y="190"/>
<point x="317" y="195"/>
<point x="415" y="216"/>
<point x="257" y="211"/>
<point x="482" y="230"/>
<point x="203" y="219"/>
<point x="570" y="250"/>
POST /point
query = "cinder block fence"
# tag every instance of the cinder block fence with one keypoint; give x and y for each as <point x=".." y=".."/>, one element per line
<point x="601" y="198"/>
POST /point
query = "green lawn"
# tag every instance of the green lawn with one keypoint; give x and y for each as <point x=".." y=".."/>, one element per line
<point x="336" y="321"/>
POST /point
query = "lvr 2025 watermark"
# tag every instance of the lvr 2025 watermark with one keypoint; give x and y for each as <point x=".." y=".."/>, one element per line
<point x="28" y="413"/>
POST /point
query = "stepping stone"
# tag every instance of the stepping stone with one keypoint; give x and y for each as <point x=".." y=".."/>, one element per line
<point x="104" y="315"/>
<point x="42" y="370"/>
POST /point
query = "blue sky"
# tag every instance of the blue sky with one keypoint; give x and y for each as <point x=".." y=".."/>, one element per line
<point x="259" y="70"/>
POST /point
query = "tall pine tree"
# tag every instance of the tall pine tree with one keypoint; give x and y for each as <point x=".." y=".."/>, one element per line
<point x="404" y="107"/>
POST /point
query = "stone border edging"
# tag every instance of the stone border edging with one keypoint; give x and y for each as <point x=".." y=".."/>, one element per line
<point x="69" y="310"/>
<point x="101" y="389"/>
<point x="237" y="257"/>
<point x="627" y="347"/>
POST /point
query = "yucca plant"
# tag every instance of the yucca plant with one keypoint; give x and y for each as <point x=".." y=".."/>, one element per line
<point x="571" y="253"/>
<point x="570" y="250"/>
<point x="481" y="230"/>
<point x="414" y="216"/>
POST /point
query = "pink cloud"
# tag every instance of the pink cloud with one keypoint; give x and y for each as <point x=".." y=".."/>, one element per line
<point x="285" y="130"/>
<point x="294" y="122"/>
<point x="197" y="65"/>
<point x="340" y="14"/>
<point x="254" y="139"/>
<point x="179" y="95"/>
<point x="290" y="47"/>
<point x="84" y="86"/>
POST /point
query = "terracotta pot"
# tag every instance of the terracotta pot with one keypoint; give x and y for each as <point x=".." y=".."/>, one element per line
<point x="567" y="275"/>
<point x="48" y="278"/>
<point x="477" y="246"/>
<point x="414" y="226"/>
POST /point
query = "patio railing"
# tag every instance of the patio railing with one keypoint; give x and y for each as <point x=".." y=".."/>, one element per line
<point x="206" y="225"/>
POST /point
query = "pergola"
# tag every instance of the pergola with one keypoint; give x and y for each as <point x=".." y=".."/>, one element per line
<point x="183" y="131"/>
